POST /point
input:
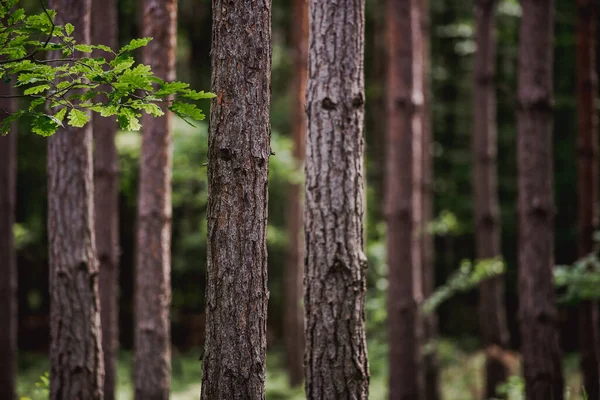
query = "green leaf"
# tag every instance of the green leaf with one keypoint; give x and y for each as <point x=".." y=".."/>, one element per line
<point x="135" y="44"/>
<point x="84" y="48"/>
<point x="194" y="95"/>
<point x="78" y="118"/>
<point x="69" y="28"/>
<point x="128" y="120"/>
<point x="187" y="110"/>
<point x="43" y="125"/>
<point x="60" y="115"/>
<point x="36" y="89"/>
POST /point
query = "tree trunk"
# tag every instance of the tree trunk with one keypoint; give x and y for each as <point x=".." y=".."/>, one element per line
<point x="335" y="283"/>
<point x="8" y="270"/>
<point x="537" y="310"/>
<point x="153" y="275"/>
<point x="76" y="365"/>
<point x="294" y="314"/>
<point x="587" y="150"/>
<point x="492" y="313"/>
<point x="236" y="298"/>
<point x="430" y="330"/>
<point x="106" y="201"/>
<point x="404" y="107"/>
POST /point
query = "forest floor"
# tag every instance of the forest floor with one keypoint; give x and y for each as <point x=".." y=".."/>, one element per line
<point x="461" y="375"/>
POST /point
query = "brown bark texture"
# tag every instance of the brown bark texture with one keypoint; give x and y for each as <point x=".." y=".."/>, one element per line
<point x="403" y="204"/>
<point x="239" y="148"/>
<point x="430" y="368"/>
<point x="587" y="156"/>
<point x="153" y="275"/>
<point x="294" y="314"/>
<point x="537" y="309"/>
<point x="106" y="202"/>
<point x="335" y="277"/>
<point x="8" y="263"/>
<point x="76" y="364"/>
<point x="492" y="314"/>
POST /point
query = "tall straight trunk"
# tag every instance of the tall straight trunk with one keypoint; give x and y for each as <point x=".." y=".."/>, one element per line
<point x="403" y="206"/>
<point x="8" y="265"/>
<point x="294" y="314"/>
<point x="335" y="283"/>
<point x="537" y="309"/>
<point x="76" y="365"/>
<point x="587" y="151"/>
<point x="106" y="201"/>
<point x="492" y="314"/>
<point x="153" y="275"/>
<point x="238" y="161"/>
<point x="430" y="329"/>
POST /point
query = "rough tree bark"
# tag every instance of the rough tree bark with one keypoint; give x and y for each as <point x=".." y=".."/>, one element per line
<point x="106" y="202"/>
<point x="492" y="314"/>
<point x="8" y="266"/>
<point x="430" y="324"/>
<point x="76" y="365"/>
<point x="335" y="282"/>
<point x="404" y="106"/>
<point x="153" y="275"/>
<point x="587" y="151"/>
<point x="239" y="137"/>
<point x="294" y="314"/>
<point x="537" y="309"/>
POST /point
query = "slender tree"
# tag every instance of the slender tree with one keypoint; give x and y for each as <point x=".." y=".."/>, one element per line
<point x="587" y="150"/>
<point x="8" y="267"/>
<point x="537" y="309"/>
<point x="153" y="275"/>
<point x="106" y="201"/>
<point x="335" y="283"/>
<point x="404" y="104"/>
<point x="76" y="365"/>
<point x="492" y="314"/>
<point x="294" y="314"/>
<point x="238" y="161"/>
<point x="430" y="330"/>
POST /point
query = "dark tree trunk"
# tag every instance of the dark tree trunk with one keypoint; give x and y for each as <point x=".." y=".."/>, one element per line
<point x="537" y="309"/>
<point x="587" y="151"/>
<point x="335" y="283"/>
<point x="106" y="201"/>
<point x="294" y="314"/>
<point x="236" y="298"/>
<point x="430" y="330"/>
<point x="492" y="314"/>
<point x="403" y="204"/>
<point x="76" y="365"/>
<point x="153" y="275"/>
<point x="8" y="266"/>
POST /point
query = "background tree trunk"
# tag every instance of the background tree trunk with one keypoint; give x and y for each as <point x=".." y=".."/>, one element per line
<point x="587" y="150"/>
<point x="76" y="365"/>
<point x="335" y="282"/>
<point x="239" y="146"/>
<point x="294" y="314"/>
<point x="492" y="312"/>
<point x="403" y="204"/>
<point x="430" y="329"/>
<point x="8" y="271"/>
<point x="537" y="310"/>
<point x="153" y="275"/>
<point x="106" y="201"/>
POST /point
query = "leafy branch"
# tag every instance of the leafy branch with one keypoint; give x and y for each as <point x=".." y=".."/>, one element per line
<point x="69" y="83"/>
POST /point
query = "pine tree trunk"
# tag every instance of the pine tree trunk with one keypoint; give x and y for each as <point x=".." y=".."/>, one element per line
<point x="403" y="204"/>
<point x="537" y="309"/>
<point x="587" y="150"/>
<point x="106" y="202"/>
<point x="153" y="275"/>
<point x="236" y="298"/>
<point x="430" y="330"/>
<point x="76" y="365"/>
<point x="294" y="314"/>
<point x="8" y="265"/>
<point x="492" y="314"/>
<point x="335" y="283"/>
